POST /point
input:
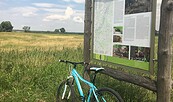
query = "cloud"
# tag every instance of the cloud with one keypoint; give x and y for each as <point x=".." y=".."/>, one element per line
<point x="53" y="10"/>
<point x="24" y="11"/>
<point x="77" y="1"/>
<point x="47" y="5"/>
<point x="69" y="11"/>
<point x="78" y="19"/>
<point x="55" y="17"/>
<point x="76" y="16"/>
<point x="67" y="14"/>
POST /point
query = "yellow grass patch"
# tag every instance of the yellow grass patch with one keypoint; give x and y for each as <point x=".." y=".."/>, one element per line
<point x="23" y="41"/>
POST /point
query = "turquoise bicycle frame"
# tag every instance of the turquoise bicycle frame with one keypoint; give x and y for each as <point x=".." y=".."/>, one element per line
<point x="91" y="85"/>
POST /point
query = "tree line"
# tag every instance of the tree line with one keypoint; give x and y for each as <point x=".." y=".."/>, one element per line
<point x="6" y="26"/>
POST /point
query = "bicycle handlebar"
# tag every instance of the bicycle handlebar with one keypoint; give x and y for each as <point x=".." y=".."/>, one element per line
<point x="74" y="63"/>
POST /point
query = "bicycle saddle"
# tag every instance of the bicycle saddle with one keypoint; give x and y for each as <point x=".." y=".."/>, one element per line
<point x="96" y="69"/>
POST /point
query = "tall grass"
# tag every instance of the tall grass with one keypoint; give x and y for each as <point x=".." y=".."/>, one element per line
<point x="29" y="67"/>
<point x="33" y="76"/>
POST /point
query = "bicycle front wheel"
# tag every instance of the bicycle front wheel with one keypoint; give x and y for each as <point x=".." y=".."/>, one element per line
<point x="65" y="92"/>
<point x="107" y="95"/>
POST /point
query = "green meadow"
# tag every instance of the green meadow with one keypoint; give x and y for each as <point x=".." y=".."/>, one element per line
<point x="30" y="71"/>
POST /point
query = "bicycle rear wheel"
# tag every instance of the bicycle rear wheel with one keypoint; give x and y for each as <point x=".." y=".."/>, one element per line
<point x="107" y="95"/>
<point x="65" y="92"/>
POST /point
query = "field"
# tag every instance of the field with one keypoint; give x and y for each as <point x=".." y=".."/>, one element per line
<point x="19" y="41"/>
<point x="30" y="71"/>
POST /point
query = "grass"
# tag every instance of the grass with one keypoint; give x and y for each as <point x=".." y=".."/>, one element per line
<point x="29" y="66"/>
<point x="21" y="41"/>
<point x="33" y="76"/>
<point x="30" y="72"/>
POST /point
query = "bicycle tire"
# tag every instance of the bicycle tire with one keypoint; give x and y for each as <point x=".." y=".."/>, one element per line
<point x="60" y="91"/>
<point x="104" y="92"/>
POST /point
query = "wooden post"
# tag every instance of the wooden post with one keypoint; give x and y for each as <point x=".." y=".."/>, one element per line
<point x="87" y="35"/>
<point x="164" y="81"/>
<point x="87" y="30"/>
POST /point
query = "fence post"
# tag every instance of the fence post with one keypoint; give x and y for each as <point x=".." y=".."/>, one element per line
<point x="164" y="80"/>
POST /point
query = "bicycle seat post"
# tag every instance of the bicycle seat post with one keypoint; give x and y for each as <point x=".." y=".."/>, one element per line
<point x="94" y="77"/>
<point x="96" y="70"/>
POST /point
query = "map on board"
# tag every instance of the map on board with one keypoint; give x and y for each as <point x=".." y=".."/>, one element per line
<point x="103" y="27"/>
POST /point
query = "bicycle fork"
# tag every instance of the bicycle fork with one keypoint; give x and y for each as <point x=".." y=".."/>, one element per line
<point x="65" y="89"/>
<point x="64" y="92"/>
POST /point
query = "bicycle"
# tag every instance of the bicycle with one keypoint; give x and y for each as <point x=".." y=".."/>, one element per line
<point x="66" y="91"/>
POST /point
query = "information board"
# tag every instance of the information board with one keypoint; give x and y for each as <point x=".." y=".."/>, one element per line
<point x="123" y="32"/>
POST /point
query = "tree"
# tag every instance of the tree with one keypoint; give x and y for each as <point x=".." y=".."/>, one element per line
<point x="56" y="30"/>
<point x="0" y="28"/>
<point x="62" y="30"/>
<point x="26" y="28"/>
<point x="6" y="26"/>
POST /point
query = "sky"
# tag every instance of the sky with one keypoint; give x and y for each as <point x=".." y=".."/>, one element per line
<point x="158" y="14"/>
<point x="48" y="15"/>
